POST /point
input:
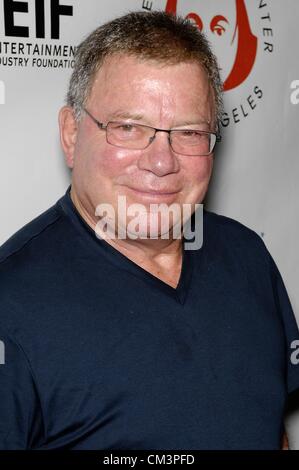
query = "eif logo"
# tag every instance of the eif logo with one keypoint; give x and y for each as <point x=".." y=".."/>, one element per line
<point x="2" y="353"/>
<point x="2" y="92"/>
<point x="12" y="27"/>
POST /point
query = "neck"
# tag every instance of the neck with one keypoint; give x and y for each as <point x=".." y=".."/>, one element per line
<point x="161" y="257"/>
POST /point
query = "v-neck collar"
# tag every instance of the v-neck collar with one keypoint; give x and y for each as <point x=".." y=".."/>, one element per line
<point x="121" y="261"/>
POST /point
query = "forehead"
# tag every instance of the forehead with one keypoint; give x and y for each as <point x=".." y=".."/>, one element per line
<point x="126" y="81"/>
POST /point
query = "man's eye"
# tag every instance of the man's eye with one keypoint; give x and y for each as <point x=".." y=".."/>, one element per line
<point x="190" y="133"/>
<point x="125" y="131"/>
<point x="127" y="127"/>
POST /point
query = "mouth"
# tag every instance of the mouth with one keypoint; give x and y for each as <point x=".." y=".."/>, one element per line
<point x="153" y="194"/>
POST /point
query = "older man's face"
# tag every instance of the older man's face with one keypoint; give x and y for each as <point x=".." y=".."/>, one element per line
<point x="166" y="97"/>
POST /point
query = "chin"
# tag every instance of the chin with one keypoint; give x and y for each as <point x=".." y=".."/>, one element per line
<point x="153" y="226"/>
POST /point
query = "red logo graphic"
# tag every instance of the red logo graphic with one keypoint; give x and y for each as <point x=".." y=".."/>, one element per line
<point x="247" y="41"/>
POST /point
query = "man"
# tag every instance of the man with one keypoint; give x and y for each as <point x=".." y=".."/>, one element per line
<point x="135" y="342"/>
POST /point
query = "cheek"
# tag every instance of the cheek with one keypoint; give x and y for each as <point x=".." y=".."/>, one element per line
<point x="197" y="175"/>
<point x="102" y="161"/>
<point x="198" y="170"/>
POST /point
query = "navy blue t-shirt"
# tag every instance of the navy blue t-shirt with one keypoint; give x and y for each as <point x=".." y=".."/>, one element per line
<point x="101" y="354"/>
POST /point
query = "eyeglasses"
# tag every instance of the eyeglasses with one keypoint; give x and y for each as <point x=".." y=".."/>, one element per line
<point x="190" y="142"/>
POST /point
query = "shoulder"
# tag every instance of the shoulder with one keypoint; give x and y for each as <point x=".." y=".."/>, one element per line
<point x="29" y="234"/>
<point x="223" y="227"/>
<point x="44" y="236"/>
<point x="231" y="239"/>
<point x="30" y="262"/>
<point x="26" y="257"/>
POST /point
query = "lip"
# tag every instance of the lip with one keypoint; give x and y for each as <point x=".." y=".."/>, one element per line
<point x="148" y="196"/>
<point x="153" y="192"/>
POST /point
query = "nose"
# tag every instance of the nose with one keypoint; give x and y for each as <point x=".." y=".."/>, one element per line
<point x="158" y="157"/>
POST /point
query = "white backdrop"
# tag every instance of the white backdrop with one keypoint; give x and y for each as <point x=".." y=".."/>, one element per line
<point x="257" y="166"/>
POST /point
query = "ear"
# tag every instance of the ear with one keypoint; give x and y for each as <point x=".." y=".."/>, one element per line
<point x="68" y="128"/>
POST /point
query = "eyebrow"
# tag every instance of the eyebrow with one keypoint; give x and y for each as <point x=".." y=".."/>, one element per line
<point x="193" y="122"/>
<point x="126" y="115"/>
<point x="138" y="117"/>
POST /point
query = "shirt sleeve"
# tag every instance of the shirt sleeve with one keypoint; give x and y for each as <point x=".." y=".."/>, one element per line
<point x="20" y="412"/>
<point x="290" y="329"/>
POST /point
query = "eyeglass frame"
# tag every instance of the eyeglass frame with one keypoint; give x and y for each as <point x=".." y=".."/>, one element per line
<point x="104" y="127"/>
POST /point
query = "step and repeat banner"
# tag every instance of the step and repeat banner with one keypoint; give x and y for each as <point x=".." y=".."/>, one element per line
<point x="256" y="169"/>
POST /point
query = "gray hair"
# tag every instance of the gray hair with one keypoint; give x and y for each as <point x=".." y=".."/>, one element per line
<point x="155" y="35"/>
